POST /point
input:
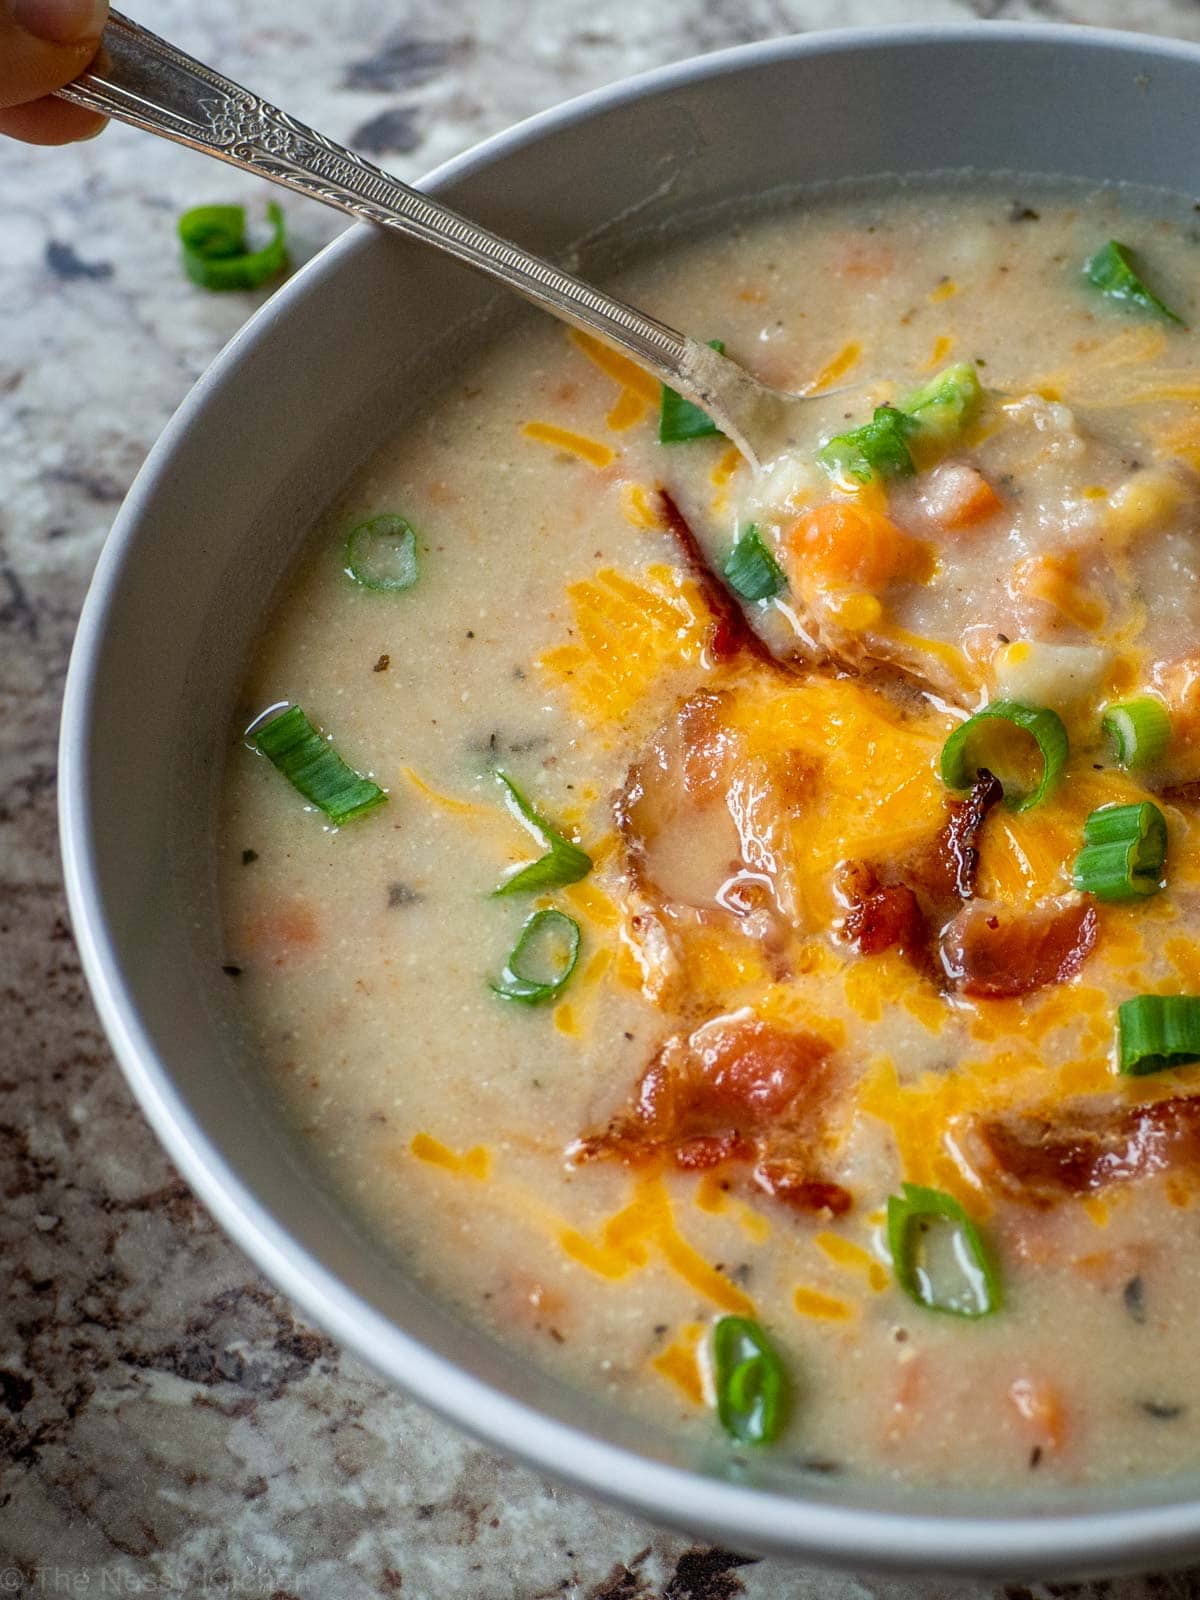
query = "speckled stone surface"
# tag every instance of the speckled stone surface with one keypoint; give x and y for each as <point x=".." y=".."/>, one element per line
<point x="168" y="1424"/>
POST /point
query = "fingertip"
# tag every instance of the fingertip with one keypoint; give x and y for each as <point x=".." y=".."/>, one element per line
<point x="51" y="121"/>
<point x="62" y="21"/>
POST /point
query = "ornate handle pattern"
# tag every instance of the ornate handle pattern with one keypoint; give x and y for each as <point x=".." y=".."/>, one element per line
<point x="141" y="79"/>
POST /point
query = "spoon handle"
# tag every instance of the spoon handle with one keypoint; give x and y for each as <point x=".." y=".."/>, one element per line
<point x="141" y="79"/>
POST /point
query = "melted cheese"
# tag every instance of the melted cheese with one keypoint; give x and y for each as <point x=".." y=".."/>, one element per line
<point x="628" y="633"/>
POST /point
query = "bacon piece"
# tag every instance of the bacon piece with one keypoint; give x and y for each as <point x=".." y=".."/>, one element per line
<point x="883" y="915"/>
<point x="705" y="843"/>
<point x="699" y="820"/>
<point x="958" y="842"/>
<point x="787" y="1180"/>
<point x="877" y="917"/>
<point x="735" y="1089"/>
<point x="731" y="633"/>
<point x="992" y="953"/>
<point x="1182" y="794"/>
<point x="1042" y="1159"/>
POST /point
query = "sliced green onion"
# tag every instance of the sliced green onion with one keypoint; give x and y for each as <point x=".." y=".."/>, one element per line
<point x="877" y="447"/>
<point x="752" y="570"/>
<point x="946" y="406"/>
<point x="938" y="1254"/>
<point x="563" y="862"/>
<point x="751" y="1383"/>
<point x="1157" y="1031"/>
<point x="1138" y="732"/>
<point x="215" y="254"/>
<point x="1111" y="270"/>
<point x="962" y="759"/>
<point x="542" y="960"/>
<point x="381" y="553"/>
<point x="311" y="765"/>
<point x="680" y="420"/>
<point x="1123" y="854"/>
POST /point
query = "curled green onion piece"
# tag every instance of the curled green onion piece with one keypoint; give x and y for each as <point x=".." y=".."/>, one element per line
<point x="678" y="419"/>
<point x="751" y="1383"/>
<point x="959" y="763"/>
<point x="1111" y="270"/>
<point x="1138" y="732"/>
<point x="945" y="407"/>
<point x="939" y="1256"/>
<point x="311" y="765"/>
<point x="1123" y="853"/>
<point x="752" y="570"/>
<point x="381" y="553"/>
<point x="542" y="960"/>
<point x="877" y="447"/>
<point x="214" y="248"/>
<point x="1157" y="1031"/>
<point x="563" y="862"/>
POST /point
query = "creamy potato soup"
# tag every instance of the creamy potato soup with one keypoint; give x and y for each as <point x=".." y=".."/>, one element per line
<point x="734" y="933"/>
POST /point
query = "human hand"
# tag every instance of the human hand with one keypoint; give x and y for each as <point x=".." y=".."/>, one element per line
<point x="44" y="44"/>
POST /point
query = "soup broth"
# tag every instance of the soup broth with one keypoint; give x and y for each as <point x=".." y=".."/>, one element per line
<point x="821" y="957"/>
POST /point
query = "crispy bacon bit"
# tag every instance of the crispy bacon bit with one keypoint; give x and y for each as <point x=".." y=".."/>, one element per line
<point x="785" y="1180"/>
<point x="920" y="892"/>
<point x="735" y="1089"/>
<point x="1182" y="794"/>
<point x="682" y="841"/>
<point x="1041" y="1159"/>
<point x="703" y="828"/>
<point x="991" y="953"/>
<point x="731" y="632"/>
<point x="877" y="918"/>
<point x="957" y="843"/>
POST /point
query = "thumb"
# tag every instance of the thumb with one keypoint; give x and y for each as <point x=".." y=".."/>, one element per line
<point x="44" y="44"/>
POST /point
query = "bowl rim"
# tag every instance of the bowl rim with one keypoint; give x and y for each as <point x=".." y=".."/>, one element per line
<point x="766" y="1521"/>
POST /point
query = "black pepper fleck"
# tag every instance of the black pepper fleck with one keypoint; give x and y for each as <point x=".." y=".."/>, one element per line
<point x="1134" y="1297"/>
<point x="1161" y="1411"/>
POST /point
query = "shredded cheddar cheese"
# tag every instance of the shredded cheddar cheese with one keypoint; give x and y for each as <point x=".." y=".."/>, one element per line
<point x="473" y="1163"/>
<point x="942" y="347"/>
<point x="852" y="1257"/>
<point x="576" y="444"/>
<point x="680" y="1363"/>
<point x="628" y="632"/>
<point x="846" y="359"/>
<point x="626" y="411"/>
<point x="822" y="1307"/>
<point x="459" y="808"/>
<point x="632" y="378"/>
<point x="637" y="507"/>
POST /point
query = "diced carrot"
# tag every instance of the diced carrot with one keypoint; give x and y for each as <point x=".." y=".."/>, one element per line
<point x="907" y="1397"/>
<point x="281" y="932"/>
<point x="1056" y="581"/>
<point x="523" y="1300"/>
<point x="1040" y="1406"/>
<point x="1178" y="682"/>
<point x="845" y="544"/>
<point x="865" y="258"/>
<point x="959" y="496"/>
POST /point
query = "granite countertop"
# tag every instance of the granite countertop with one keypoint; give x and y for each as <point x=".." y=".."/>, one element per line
<point x="167" y="1422"/>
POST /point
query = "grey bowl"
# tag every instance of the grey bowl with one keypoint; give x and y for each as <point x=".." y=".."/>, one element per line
<point x="311" y="385"/>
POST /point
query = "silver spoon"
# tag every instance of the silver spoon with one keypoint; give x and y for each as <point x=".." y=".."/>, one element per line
<point x="141" y="79"/>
